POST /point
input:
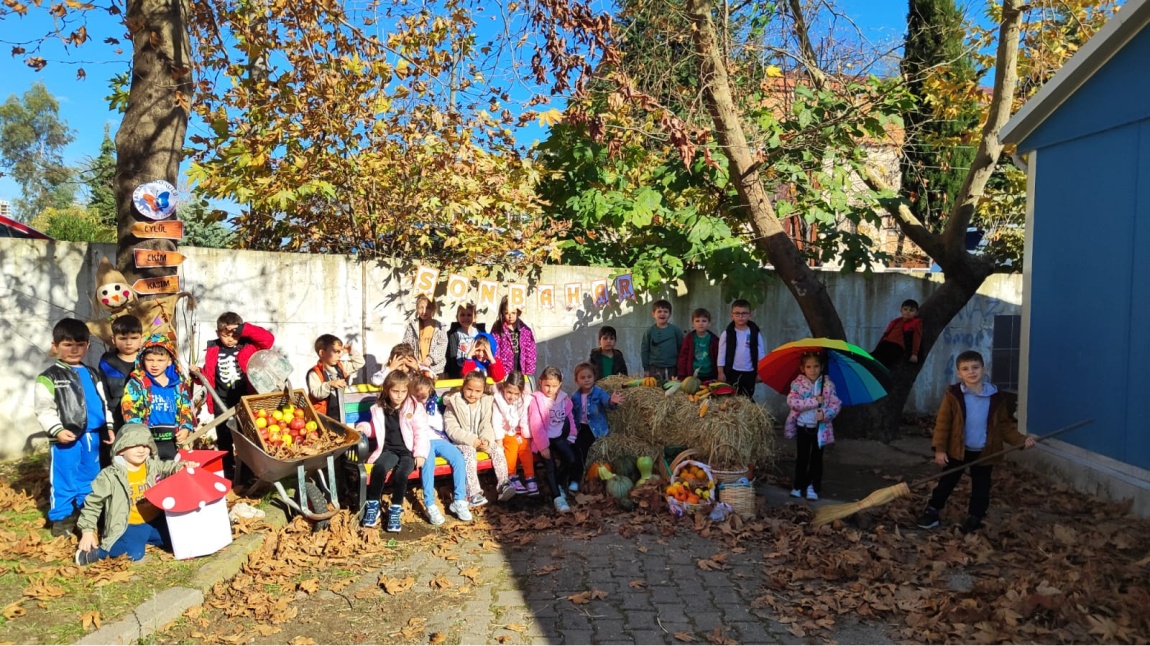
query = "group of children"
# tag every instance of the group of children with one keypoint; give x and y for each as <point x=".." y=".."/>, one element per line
<point x="116" y="428"/>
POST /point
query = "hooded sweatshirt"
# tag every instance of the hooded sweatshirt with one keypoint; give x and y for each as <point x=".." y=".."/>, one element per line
<point x="111" y="495"/>
<point x="153" y="405"/>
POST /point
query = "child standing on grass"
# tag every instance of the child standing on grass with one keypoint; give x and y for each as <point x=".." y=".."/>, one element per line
<point x="700" y="350"/>
<point x="813" y="405"/>
<point x="329" y="378"/>
<point x="902" y="337"/>
<point x="422" y="412"/>
<point x="972" y="421"/>
<point x="467" y="420"/>
<point x="661" y="343"/>
<point x="131" y="523"/>
<point x="605" y="359"/>
<point x="741" y="348"/>
<point x="395" y="453"/>
<point x="589" y="404"/>
<point x="509" y="418"/>
<point x="553" y="434"/>
<point x="70" y="406"/>
<point x="159" y="396"/>
<point x="115" y="367"/>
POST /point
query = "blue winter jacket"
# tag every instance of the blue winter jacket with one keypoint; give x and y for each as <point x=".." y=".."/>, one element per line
<point x="598" y="401"/>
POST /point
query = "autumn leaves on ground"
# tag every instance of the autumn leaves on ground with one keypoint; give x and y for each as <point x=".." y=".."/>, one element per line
<point x="1050" y="567"/>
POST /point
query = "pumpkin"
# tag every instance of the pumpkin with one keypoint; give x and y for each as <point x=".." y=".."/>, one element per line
<point x="625" y="466"/>
<point x="618" y="487"/>
<point x="593" y="470"/>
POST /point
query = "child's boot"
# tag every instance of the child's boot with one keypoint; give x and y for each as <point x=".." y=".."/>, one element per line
<point x="371" y="514"/>
<point x="518" y="485"/>
<point x="394" y="523"/>
<point x="532" y="487"/>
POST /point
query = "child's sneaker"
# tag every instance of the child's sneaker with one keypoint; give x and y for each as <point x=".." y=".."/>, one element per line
<point x="518" y="485"/>
<point x="394" y="522"/>
<point x="65" y="526"/>
<point x="795" y="493"/>
<point x="506" y="492"/>
<point x="971" y="524"/>
<point x="573" y="487"/>
<point x="477" y="500"/>
<point x="434" y="516"/>
<point x="370" y="514"/>
<point x="929" y="518"/>
<point x="459" y="508"/>
<point x="561" y="505"/>
<point x="87" y="557"/>
<point x="532" y="487"/>
<point x="811" y="493"/>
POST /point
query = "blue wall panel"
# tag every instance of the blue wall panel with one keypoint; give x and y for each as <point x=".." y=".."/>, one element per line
<point x="1137" y="397"/>
<point x="1081" y="290"/>
<point x="1117" y="94"/>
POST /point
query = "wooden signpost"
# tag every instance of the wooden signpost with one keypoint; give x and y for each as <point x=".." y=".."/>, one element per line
<point x="166" y="229"/>
<point x="157" y="285"/>
<point x="147" y="258"/>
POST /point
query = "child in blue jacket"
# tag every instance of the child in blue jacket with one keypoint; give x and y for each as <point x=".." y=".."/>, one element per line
<point x="589" y="408"/>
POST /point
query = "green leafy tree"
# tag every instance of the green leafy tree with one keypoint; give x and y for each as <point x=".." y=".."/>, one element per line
<point x="204" y="226"/>
<point x="940" y="135"/>
<point x="100" y="178"/>
<point x="32" y="140"/>
<point x="74" y="223"/>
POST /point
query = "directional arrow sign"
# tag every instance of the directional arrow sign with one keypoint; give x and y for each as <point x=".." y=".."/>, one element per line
<point x="158" y="285"/>
<point x="167" y="229"/>
<point x="154" y="258"/>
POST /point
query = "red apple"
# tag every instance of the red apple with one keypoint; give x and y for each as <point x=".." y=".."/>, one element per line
<point x="297" y="424"/>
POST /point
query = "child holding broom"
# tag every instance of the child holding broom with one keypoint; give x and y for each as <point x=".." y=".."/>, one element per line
<point x="813" y="405"/>
<point x="972" y="421"/>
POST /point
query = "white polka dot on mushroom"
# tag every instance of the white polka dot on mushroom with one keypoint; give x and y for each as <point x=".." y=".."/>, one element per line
<point x="203" y="504"/>
<point x="221" y="487"/>
<point x="169" y="502"/>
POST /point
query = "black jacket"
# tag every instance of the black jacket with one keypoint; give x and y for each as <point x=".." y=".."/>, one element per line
<point x="454" y="368"/>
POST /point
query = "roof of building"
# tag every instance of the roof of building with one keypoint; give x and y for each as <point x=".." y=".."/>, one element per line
<point x="1130" y="19"/>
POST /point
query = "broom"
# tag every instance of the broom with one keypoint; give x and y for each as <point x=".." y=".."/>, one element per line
<point x="881" y="497"/>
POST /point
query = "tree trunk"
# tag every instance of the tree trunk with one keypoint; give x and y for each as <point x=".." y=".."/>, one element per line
<point x="150" y="141"/>
<point x="800" y="279"/>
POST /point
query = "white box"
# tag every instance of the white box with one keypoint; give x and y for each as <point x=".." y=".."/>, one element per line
<point x="200" y="532"/>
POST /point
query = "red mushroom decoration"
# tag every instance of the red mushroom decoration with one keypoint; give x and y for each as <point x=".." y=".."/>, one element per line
<point x="193" y="501"/>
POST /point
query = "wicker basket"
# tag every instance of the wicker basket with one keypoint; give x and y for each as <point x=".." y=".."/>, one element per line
<point x="677" y="507"/>
<point x="251" y="404"/>
<point x="740" y="495"/>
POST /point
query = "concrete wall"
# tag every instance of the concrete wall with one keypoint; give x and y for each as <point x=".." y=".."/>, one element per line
<point x="302" y="296"/>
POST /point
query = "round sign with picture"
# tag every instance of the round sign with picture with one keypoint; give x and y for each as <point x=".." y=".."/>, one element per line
<point x="155" y="200"/>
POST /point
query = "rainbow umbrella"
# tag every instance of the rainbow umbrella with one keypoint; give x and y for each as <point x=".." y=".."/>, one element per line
<point x="858" y="377"/>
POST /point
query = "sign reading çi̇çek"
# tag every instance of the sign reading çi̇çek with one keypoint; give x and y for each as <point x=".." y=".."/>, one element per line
<point x="157" y="285"/>
<point x="166" y="229"/>
<point x="148" y="258"/>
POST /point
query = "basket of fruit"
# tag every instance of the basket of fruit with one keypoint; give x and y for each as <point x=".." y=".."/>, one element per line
<point x="284" y="425"/>
<point x="692" y="485"/>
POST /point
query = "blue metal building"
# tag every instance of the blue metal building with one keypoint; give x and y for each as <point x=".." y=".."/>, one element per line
<point x="1085" y="138"/>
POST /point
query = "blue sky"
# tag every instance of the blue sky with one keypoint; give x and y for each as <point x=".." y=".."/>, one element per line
<point x="82" y="102"/>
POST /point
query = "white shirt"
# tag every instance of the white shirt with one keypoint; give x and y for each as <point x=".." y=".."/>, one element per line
<point x="742" y="361"/>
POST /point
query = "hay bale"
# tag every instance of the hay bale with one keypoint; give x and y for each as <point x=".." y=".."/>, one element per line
<point x="613" y="383"/>
<point x="680" y="421"/>
<point x="736" y="432"/>
<point x="614" y="445"/>
<point x="640" y="414"/>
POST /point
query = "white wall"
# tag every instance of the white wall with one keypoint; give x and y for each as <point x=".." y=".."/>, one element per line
<point x="300" y="297"/>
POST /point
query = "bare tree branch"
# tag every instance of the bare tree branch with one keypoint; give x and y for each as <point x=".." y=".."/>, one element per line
<point x="806" y="50"/>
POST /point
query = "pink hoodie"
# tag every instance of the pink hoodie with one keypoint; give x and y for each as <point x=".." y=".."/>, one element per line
<point x="546" y="418"/>
<point x="413" y="426"/>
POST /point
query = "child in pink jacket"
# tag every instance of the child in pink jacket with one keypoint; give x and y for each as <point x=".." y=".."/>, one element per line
<point x="399" y="451"/>
<point x="553" y="435"/>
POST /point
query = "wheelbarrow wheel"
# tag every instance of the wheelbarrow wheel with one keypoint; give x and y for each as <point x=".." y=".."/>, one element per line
<point x="317" y="504"/>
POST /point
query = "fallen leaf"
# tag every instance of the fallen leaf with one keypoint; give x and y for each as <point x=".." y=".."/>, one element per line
<point x="710" y="564"/>
<point x="395" y="586"/>
<point x="519" y="628"/>
<point x="580" y="598"/>
<point x="638" y="584"/>
<point x="437" y="638"/>
<point x="194" y="612"/>
<point x="503" y="639"/>
<point x="301" y="641"/>
<point x="42" y="590"/>
<point x="310" y="586"/>
<point x="90" y="620"/>
<point x="547" y="569"/>
<point x="267" y="631"/>
<point x="440" y="583"/>
<point x="684" y="637"/>
<point x="471" y="573"/>
<point x="643" y="550"/>
<point x="598" y="594"/>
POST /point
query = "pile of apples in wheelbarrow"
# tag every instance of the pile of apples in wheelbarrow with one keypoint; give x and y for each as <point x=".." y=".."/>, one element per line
<point x="286" y="427"/>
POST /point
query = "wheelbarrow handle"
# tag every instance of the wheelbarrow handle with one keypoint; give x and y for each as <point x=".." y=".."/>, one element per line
<point x="230" y="413"/>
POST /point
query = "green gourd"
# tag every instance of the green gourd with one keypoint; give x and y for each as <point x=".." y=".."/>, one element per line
<point x="691" y="385"/>
<point x="618" y="487"/>
<point x="645" y="464"/>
